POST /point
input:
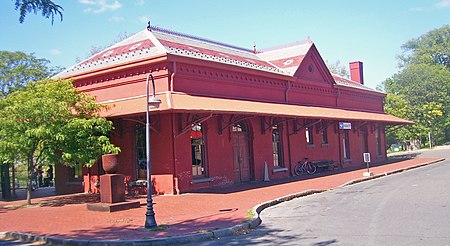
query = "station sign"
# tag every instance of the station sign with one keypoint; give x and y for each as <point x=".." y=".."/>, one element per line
<point x="345" y="125"/>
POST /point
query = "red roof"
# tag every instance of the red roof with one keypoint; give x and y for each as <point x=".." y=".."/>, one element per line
<point x="146" y="44"/>
<point x="350" y="83"/>
<point x="283" y="60"/>
<point x="120" y="50"/>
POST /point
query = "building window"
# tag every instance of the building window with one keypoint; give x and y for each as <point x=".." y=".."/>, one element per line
<point x="198" y="151"/>
<point x="346" y="144"/>
<point x="309" y="136"/>
<point x="277" y="146"/>
<point x="378" y="141"/>
<point x="324" y="135"/>
<point x="76" y="172"/>
<point x="141" y="158"/>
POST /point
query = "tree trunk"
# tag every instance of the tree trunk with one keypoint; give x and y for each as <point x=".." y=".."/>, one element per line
<point x="30" y="179"/>
<point x="13" y="169"/>
<point x="6" y="184"/>
<point x="429" y="139"/>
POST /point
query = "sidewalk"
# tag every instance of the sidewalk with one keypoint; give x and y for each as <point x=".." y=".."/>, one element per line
<point x="186" y="214"/>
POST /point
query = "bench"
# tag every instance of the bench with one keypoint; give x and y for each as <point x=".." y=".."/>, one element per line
<point x="325" y="164"/>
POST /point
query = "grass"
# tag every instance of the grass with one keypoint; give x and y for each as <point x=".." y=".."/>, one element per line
<point x="22" y="206"/>
<point x="250" y="214"/>
<point x="203" y="231"/>
<point x="159" y="228"/>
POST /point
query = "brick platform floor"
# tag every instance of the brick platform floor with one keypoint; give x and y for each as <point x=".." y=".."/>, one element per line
<point x="67" y="216"/>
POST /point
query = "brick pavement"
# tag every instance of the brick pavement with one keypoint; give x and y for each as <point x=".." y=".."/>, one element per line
<point x="67" y="216"/>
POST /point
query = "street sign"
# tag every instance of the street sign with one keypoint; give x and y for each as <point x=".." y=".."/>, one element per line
<point x="345" y="125"/>
<point x="366" y="157"/>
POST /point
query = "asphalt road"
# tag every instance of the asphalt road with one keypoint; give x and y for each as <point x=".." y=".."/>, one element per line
<point x="15" y="242"/>
<point x="409" y="208"/>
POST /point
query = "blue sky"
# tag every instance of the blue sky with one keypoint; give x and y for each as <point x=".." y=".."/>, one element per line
<point x="345" y="30"/>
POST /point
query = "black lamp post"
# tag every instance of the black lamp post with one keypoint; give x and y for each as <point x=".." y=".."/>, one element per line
<point x="152" y="102"/>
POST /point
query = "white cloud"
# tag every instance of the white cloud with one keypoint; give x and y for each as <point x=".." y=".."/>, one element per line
<point x="100" y="6"/>
<point x="55" y="52"/>
<point x="144" y="19"/>
<point x="88" y="2"/>
<point x="442" y="4"/>
<point x="116" y="19"/>
<point x="140" y="2"/>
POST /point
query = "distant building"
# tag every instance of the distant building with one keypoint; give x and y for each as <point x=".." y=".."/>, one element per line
<point x="225" y="112"/>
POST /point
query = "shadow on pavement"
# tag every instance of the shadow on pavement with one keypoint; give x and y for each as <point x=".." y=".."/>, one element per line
<point x="267" y="236"/>
<point x="21" y="193"/>
<point x="129" y="231"/>
<point x="239" y="187"/>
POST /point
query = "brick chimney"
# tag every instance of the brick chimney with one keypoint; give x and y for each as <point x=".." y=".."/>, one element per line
<point x="356" y="72"/>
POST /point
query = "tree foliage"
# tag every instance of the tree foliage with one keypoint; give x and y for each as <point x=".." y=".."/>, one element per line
<point x="421" y="90"/>
<point x="431" y="48"/>
<point x="47" y="7"/>
<point x="18" y="68"/>
<point x="50" y="122"/>
<point x="338" y="68"/>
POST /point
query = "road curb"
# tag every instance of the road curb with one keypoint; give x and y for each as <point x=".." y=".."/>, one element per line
<point x="230" y="231"/>
<point x="390" y="172"/>
<point x="256" y="210"/>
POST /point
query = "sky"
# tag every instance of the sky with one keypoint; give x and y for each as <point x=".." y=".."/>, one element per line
<point x="344" y="30"/>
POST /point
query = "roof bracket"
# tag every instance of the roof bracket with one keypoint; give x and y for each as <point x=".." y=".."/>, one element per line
<point x="272" y="121"/>
<point x="360" y="125"/>
<point x="305" y="125"/>
<point x="141" y="120"/>
<point x="191" y="120"/>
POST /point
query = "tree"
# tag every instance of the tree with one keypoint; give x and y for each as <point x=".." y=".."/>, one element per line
<point x="18" y="68"/>
<point x="421" y="93"/>
<point x="338" y="68"/>
<point x="51" y="122"/>
<point x="47" y="7"/>
<point x="432" y="48"/>
<point x="424" y="84"/>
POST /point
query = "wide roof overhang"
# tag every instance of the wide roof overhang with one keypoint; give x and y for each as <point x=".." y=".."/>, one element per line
<point x="176" y="102"/>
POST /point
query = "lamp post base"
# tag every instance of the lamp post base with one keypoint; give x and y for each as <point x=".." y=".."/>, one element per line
<point x="150" y="221"/>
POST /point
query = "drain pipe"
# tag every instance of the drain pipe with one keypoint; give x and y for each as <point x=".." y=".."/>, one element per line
<point x="289" y="148"/>
<point x="340" y="148"/>
<point x="176" y="188"/>
<point x="337" y="97"/>
<point x="286" y="93"/>
<point x="172" y="76"/>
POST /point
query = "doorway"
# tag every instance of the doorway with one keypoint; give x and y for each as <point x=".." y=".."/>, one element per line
<point x="241" y="152"/>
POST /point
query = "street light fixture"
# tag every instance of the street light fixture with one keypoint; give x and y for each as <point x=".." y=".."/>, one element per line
<point x="152" y="102"/>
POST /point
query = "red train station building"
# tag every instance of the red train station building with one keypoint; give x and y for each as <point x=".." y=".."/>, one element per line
<point x="226" y="112"/>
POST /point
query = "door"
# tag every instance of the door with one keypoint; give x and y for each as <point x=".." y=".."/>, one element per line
<point x="241" y="152"/>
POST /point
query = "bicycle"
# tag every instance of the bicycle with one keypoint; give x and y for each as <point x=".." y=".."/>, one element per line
<point x="303" y="167"/>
